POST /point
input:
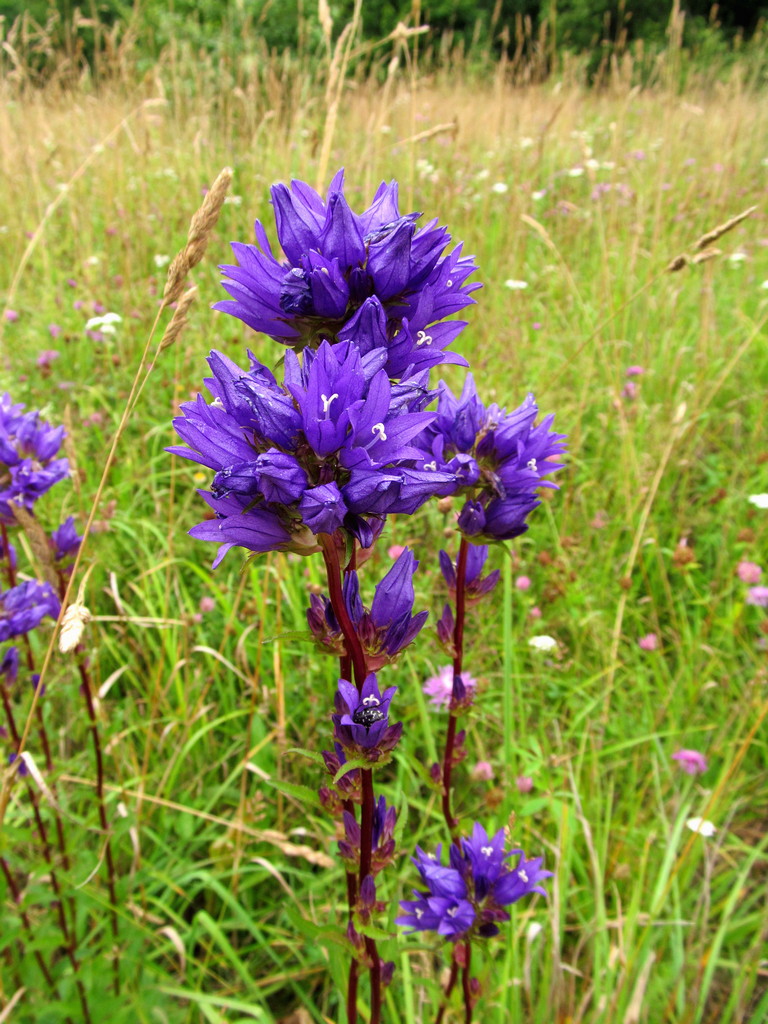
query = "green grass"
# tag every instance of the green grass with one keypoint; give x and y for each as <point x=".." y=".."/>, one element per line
<point x="229" y="910"/>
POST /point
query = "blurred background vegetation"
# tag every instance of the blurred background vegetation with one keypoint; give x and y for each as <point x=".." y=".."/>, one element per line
<point x="98" y="36"/>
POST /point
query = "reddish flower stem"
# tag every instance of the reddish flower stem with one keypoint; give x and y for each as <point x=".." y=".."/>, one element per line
<point x="355" y="652"/>
<point x="16" y="894"/>
<point x="448" y="989"/>
<point x="458" y="647"/>
<point x="85" y="689"/>
<point x="67" y="935"/>
<point x="466" y="986"/>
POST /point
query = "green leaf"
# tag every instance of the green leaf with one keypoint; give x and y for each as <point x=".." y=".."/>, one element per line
<point x="348" y="766"/>
<point x="313" y="755"/>
<point x="303" y="793"/>
<point x="292" y="634"/>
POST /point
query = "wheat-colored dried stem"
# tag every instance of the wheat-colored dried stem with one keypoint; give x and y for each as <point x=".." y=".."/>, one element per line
<point x="200" y="230"/>
<point x="721" y="229"/>
<point x="178" y="320"/>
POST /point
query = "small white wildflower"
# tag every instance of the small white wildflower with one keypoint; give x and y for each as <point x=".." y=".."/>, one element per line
<point x="764" y="285"/>
<point x="575" y="172"/>
<point x="759" y="500"/>
<point x="702" y="826"/>
<point x="233" y="200"/>
<point x="482" y="174"/>
<point x="533" y="930"/>
<point x="737" y="257"/>
<point x="62" y="186"/>
<point x="608" y="165"/>
<point x="526" y="142"/>
<point x="515" y="286"/>
<point x="592" y="164"/>
<point x="500" y="187"/>
<point x="161" y="260"/>
<point x="105" y="323"/>
<point x="539" y="193"/>
<point x="92" y="261"/>
<point x="385" y="129"/>
<point x="543" y="643"/>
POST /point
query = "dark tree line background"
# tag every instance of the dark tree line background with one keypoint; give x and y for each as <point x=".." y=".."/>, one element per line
<point x="578" y="25"/>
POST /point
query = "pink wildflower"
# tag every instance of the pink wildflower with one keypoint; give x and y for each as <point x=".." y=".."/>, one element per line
<point x="749" y="572"/>
<point x="635" y="371"/>
<point x="691" y="761"/>
<point x="395" y="551"/>
<point x="482" y="771"/>
<point x="758" y="596"/>
<point x="439" y="688"/>
<point x="523" y="583"/>
<point x="649" y="642"/>
<point x="207" y="604"/>
<point x="524" y="783"/>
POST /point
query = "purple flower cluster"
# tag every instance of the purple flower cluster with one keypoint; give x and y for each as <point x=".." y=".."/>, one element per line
<point x="329" y="449"/>
<point x="24" y="607"/>
<point x="499" y="459"/>
<point x="469" y="896"/>
<point x="361" y="720"/>
<point x="371" y="279"/>
<point x="383" y="631"/>
<point x="28" y="467"/>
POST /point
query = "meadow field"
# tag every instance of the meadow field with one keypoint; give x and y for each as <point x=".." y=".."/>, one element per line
<point x="228" y="890"/>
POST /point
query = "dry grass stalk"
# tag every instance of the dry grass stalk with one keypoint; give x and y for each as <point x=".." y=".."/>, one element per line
<point x="677" y="263"/>
<point x="42" y="556"/>
<point x="200" y="229"/>
<point x="179" y="319"/>
<point x="718" y="232"/>
<point x="76" y="618"/>
<point x="707" y="254"/>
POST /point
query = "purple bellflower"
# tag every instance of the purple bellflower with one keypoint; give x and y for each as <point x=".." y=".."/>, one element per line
<point x="384" y="819"/>
<point x="65" y="543"/>
<point x="361" y="721"/>
<point x="9" y="666"/>
<point x="469" y="896"/>
<point x="28" y="467"/>
<point x="23" y="608"/>
<point x="383" y="631"/>
<point x="499" y="459"/>
<point x="372" y="279"/>
<point x="476" y="586"/>
<point x="329" y="450"/>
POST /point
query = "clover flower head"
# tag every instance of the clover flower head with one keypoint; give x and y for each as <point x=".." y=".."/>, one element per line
<point x="373" y="279"/>
<point x="469" y="896"/>
<point x="440" y="689"/>
<point x="693" y="762"/>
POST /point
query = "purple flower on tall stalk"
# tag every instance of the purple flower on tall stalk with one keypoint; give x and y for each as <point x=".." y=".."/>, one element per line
<point x="9" y="666"/>
<point x="469" y="896"/>
<point x="28" y="467"/>
<point x="65" y="543"/>
<point x="383" y="631"/>
<point x="23" y="608"/>
<point x="330" y="449"/>
<point x="499" y="460"/>
<point x="383" y="849"/>
<point x="476" y="586"/>
<point x="361" y="722"/>
<point x="372" y="279"/>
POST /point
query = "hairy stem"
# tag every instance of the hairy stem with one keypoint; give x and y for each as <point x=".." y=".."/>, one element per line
<point x="68" y="936"/>
<point x="458" y="646"/>
<point x="354" y="651"/>
<point x="85" y="689"/>
<point x="447" y="993"/>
